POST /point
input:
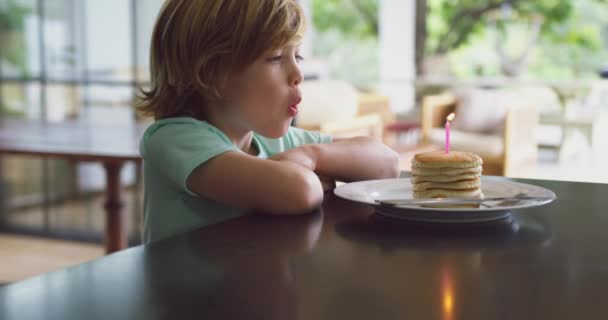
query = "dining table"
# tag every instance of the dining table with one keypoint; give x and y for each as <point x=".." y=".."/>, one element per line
<point x="110" y="144"/>
<point x="345" y="261"/>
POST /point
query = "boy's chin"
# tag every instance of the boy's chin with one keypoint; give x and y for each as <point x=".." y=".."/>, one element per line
<point x="274" y="134"/>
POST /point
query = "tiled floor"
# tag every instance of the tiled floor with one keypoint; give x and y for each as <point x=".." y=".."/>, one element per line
<point x="85" y="215"/>
<point x="23" y="257"/>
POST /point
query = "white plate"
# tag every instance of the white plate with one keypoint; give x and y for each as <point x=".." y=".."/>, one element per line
<point x="370" y="191"/>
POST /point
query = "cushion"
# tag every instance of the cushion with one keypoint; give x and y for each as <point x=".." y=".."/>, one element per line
<point x="481" y="111"/>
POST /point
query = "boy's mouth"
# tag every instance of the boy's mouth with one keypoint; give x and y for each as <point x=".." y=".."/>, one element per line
<point x="293" y="108"/>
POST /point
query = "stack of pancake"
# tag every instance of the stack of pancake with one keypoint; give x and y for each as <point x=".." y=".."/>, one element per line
<point x="446" y="175"/>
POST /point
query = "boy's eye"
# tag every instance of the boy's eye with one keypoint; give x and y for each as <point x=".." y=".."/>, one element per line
<point x="275" y="58"/>
<point x="278" y="58"/>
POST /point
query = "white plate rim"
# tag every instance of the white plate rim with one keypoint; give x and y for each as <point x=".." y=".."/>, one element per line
<point x="345" y="191"/>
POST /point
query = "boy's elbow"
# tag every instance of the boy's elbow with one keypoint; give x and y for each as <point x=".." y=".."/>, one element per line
<point x="306" y="193"/>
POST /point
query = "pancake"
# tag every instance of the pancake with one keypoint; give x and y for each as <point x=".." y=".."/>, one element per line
<point x="438" y="178"/>
<point x="440" y="159"/>
<point x="446" y="175"/>
<point x="444" y="171"/>
<point x="455" y="185"/>
<point x="443" y="193"/>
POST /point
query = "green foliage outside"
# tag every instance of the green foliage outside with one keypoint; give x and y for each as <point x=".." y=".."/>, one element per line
<point x="353" y="18"/>
<point x="571" y="41"/>
<point x="11" y="16"/>
<point x="346" y="34"/>
<point x="12" y="41"/>
<point x="12" y="47"/>
<point x="453" y="22"/>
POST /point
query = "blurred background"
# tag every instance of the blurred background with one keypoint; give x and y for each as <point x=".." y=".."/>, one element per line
<point x="526" y="79"/>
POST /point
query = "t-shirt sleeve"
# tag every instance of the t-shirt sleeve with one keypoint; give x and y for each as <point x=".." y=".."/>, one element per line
<point x="176" y="150"/>
<point x="298" y="137"/>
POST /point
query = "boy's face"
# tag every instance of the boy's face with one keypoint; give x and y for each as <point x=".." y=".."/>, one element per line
<point x="265" y="95"/>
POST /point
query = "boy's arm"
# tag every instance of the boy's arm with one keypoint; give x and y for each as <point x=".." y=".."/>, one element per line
<point x="241" y="180"/>
<point x="356" y="159"/>
<point x="353" y="159"/>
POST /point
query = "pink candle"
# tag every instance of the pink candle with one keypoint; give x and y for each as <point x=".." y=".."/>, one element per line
<point x="447" y="131"/>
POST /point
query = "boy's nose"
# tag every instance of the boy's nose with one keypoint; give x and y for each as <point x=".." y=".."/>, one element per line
<point x="296" y="76"/>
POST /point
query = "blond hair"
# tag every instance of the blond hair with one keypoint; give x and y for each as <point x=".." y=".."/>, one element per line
<point x="197" y="43"/>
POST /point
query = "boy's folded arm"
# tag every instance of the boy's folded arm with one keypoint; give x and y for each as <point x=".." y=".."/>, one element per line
<point x="245" y="181"/>
<point x="355" y="159"/>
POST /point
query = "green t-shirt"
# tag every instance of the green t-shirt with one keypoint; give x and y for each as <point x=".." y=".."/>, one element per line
<point x="172" y="149"/>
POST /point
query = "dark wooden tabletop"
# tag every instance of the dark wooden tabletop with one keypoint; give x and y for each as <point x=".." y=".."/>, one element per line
<point x="344" y="262"/>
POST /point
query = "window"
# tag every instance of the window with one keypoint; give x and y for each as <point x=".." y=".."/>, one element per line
<point x="67" y="60"/>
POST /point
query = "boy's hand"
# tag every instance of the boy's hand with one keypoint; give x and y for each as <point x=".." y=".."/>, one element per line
<point x="328" y="183"/>
<point x="304" y="155"/>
